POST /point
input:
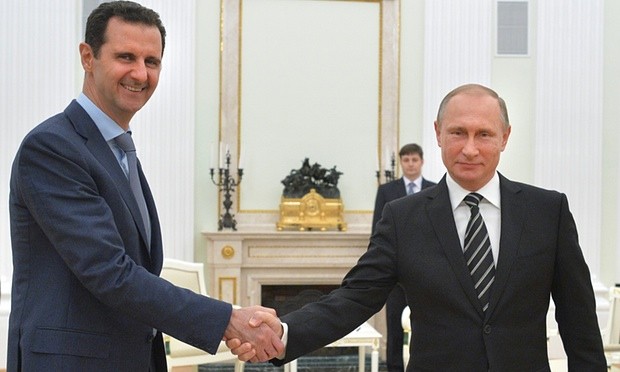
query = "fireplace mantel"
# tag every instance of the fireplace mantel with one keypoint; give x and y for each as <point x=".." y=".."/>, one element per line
<point x="238" y="263"/>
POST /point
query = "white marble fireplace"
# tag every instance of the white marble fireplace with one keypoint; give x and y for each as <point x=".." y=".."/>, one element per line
<point x="239" y="263"/>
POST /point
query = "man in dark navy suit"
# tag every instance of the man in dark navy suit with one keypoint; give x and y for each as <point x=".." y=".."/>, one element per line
<point x="411" y="162"/>
<point x="86" y="293"/>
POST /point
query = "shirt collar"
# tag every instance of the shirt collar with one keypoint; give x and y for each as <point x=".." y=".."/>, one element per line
<point x="417" y="182"/>
<point x="490" y="192"/>
<point x="108" y="127"/>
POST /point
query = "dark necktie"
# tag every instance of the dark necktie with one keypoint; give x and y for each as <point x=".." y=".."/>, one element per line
<point x="477" y="251"/>
<point x="125" y="142"/>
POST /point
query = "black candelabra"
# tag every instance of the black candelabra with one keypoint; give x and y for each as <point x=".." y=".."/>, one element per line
<point x="226" y="184"/>
<point x="390" y="174"/>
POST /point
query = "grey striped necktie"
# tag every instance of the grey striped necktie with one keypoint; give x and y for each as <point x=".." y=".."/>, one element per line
<point x="477" y="251"/>
<point x="126" y="144"/>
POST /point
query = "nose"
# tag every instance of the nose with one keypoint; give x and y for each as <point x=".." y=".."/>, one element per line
<point x="470" y="149"/>
<point x="139" y="71"/>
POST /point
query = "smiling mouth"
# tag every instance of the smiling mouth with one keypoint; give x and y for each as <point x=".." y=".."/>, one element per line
<point x="468" y="165"/>
<point x="133" y="89"/>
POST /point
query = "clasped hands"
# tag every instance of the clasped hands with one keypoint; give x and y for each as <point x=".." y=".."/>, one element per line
<point x="254" y="334"/>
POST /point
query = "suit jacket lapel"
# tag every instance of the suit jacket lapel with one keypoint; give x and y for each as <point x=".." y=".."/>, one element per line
<point x="399" y="188"/>
<point x="156" y="254"/>
<point x="426" y="183"/>
<point x="442" y="220"/>
<point x="100" y="149"/>
<point x="512" y="220"/>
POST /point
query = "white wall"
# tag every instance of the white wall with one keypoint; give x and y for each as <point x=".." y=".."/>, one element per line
<point x="37" y="82"/>
<point x="610" y="244"/>
<point x="164" y="129"/>
<point x="309" y="79"/>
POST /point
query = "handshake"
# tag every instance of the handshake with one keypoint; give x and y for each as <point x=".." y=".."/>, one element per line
<point x="254" y="334"/>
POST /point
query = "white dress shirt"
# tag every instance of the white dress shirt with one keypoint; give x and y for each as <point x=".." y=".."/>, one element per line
<point x="417" y="183"/>
<point x="490" y="209"/>
<point x="108" y="128"/>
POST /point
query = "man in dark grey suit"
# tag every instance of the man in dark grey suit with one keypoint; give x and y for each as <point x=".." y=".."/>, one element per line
<point x="411" y="158"/>
<point x="86" y="294"/>
<point x="525" y="243"/>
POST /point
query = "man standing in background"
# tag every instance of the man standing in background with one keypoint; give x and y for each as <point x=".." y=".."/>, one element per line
<point x="411" y="161"/>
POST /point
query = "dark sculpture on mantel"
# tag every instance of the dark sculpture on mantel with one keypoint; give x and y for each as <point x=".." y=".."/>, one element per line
<point x="311" y="199"/>
<point x="300" y="181"/>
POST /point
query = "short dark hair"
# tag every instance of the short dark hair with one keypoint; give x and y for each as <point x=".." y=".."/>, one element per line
<point x="473" y="88"/>
<point x="128" y="11"/>
<point x="411" y="148"/>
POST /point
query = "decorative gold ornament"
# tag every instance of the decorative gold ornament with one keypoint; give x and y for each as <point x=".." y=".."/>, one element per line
<point x="228" y="252"/>
<point x="312" y="211"/>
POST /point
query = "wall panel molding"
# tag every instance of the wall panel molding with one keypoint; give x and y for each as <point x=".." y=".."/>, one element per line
<point x="165" y="127"/>
<point x="457" y="50"/>
<point x="569" y="112"/>
<point x="240" y="106"/>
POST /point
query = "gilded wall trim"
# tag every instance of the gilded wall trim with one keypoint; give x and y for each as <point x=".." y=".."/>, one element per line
<point x="231" y="86"/>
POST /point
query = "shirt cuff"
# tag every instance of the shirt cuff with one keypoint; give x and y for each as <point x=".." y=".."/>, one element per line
<point x="284" y="340"/>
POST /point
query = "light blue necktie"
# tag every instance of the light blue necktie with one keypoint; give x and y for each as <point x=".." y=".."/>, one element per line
<point x="410" y="188"/>
<point x="126" y="144"/>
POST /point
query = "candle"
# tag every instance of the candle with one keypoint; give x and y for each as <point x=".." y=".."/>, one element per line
<point x="221" y="155"/>
<point x="240" y="163"/>
<point x="212" y="160"/>
<point x="388" y="163"/>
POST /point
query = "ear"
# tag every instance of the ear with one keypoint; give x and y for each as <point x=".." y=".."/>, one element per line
<point x="505" y="137"/>
<point x="86" y="56"/>
<point x="437" y="133"/>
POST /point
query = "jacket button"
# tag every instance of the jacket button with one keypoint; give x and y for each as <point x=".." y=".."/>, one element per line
<point x="487" y="329"/>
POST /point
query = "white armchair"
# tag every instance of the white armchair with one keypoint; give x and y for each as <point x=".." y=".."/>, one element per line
<point x="611" y="336"/>
<point x="406" y="323"/>
<point x="190" y="275"/>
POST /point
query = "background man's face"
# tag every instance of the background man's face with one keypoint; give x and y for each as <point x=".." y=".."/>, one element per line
<point x="411" y="164"/>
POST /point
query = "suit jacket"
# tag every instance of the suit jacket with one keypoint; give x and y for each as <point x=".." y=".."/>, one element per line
<point x="416" y="244"/>
<point x="86" y="293"/>
<point x="391" y="191"/>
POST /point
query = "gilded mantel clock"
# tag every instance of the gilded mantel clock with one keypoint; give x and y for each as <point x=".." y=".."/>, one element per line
<point x="311" y="199"/>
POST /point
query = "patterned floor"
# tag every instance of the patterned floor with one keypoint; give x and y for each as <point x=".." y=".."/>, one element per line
<point x="304" y="364"/>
